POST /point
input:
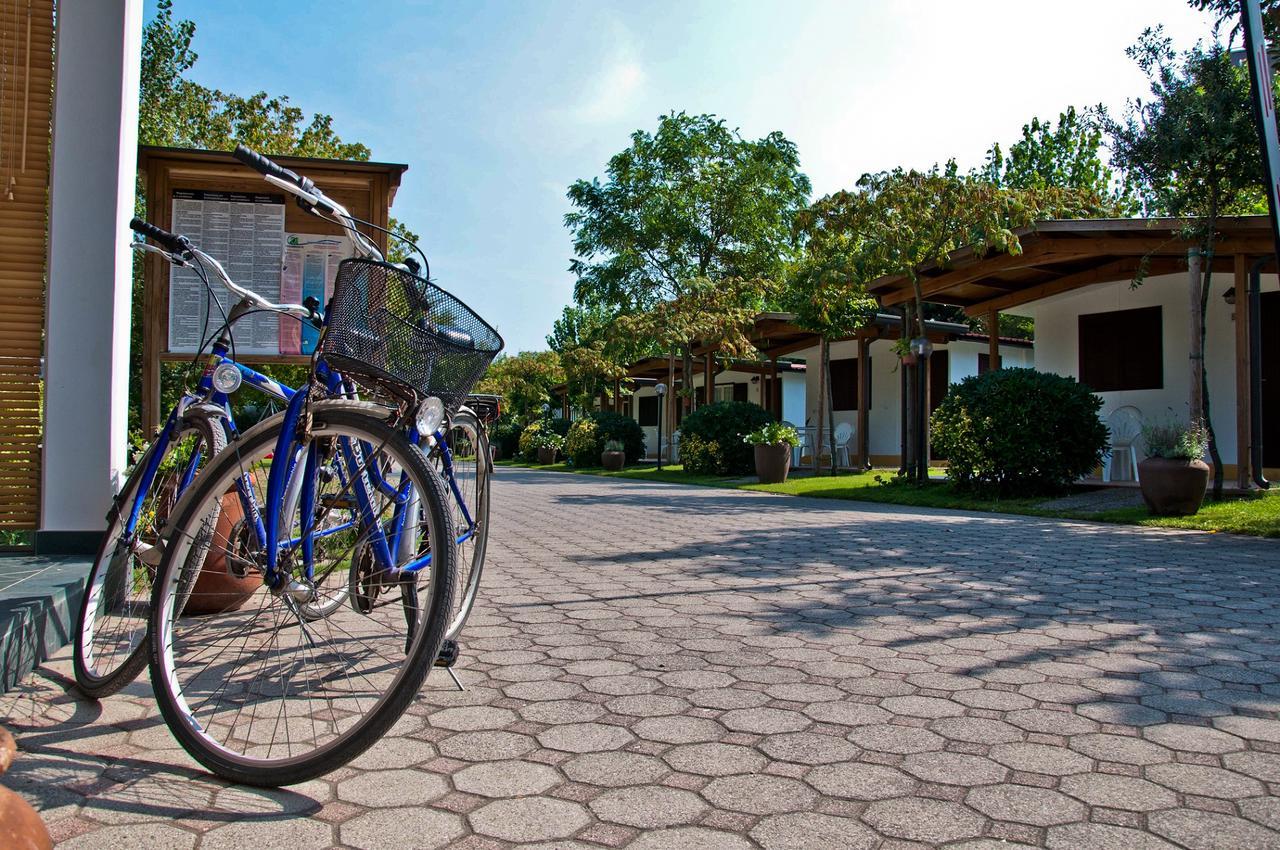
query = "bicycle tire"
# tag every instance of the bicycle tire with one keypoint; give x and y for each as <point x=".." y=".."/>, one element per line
<point x="196" y="729"/>
<point x="473" y="550"/>
<point x="94" y="678"/>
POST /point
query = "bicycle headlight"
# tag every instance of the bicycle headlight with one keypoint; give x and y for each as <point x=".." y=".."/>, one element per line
<point x="430" y="416"/>
<point x="226" y="378"/>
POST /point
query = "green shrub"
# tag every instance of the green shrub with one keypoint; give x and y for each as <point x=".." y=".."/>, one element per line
<point x="580" y="445"/>
<point x="704" y="457"/>
<point x="558" y="426"/>
<point x="588" y="436"/>
<point x="529" y="440"/>
<point x="1019" y="432"/>
<point x="505" y="436"/>
<point x="726" y="424"/>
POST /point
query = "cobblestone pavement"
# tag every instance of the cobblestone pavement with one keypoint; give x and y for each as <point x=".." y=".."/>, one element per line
<point x="667" y="667"/>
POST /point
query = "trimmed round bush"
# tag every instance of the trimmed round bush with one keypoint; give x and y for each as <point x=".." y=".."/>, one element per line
<point x="724" y="424"/>
<point x="1019" y="432"/>
<point x="589" y="434"/>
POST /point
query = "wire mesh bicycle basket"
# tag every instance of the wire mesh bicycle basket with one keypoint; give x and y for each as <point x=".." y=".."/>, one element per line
<point x="392" y="327"/>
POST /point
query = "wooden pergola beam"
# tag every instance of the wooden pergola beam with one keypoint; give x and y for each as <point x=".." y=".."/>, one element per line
<point x="1039" y="255"/>
<point x="1106" y="273"/>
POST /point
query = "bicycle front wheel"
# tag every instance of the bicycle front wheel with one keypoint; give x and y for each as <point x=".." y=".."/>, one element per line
<point x="111" y="627"/>
<point x="263" y="693"/>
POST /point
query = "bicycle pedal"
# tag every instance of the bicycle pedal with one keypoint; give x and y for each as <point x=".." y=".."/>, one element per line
<point x="448" y="654"/>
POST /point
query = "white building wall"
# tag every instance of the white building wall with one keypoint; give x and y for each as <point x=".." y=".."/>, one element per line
<point x="885" y="418"/>
<point x="1057" y="346"/>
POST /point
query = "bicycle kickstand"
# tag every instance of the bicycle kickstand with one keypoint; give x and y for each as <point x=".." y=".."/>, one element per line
<point x="447" y="658"/>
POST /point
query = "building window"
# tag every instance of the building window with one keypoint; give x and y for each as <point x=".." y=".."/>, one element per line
<point x="1122" y="350"/>
<point x="647" y="415"/>
<point x="731" y="392"/>
<point x="844" y="384"/>
<point x="984" y="363"/>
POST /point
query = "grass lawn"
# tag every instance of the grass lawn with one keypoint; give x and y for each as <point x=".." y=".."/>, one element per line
<point x="1257" y="515"/>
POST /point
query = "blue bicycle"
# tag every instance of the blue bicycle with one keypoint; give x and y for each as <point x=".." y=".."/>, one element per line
<point x="111" y="629"/>
<point x="287" y="685"/>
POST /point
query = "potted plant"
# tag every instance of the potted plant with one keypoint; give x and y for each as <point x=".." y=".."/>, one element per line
<point x="549" y="445"/>
<point x="1173" y="475"/>
<point x="614" y="456"/>
<point x="902" y="348"/>
<point x="773" y="444"/>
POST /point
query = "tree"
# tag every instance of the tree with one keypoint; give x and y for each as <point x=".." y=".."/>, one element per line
<point x="1194" y="148"/>
<point x="1068" y="156"/>
<point x="692" y="201"/>
<point x="901" y="222"/>
<point x="175" y="111"/>
<point x="1228" y="12"/>
<point x="524" y="381"/>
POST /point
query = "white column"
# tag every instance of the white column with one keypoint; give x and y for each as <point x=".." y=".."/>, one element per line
<point x="95" y="140"/>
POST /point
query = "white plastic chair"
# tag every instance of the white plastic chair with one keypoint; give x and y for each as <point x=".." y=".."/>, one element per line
<point x="844" y="433"/>
<point x="1125" y="428"/>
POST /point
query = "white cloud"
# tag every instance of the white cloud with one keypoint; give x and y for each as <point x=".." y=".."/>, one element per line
<point x="612" y="93"/>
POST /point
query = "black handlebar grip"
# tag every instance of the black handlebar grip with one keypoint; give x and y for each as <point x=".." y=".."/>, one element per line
<point x="264" y="166"/>
<point x="171" y="242"/>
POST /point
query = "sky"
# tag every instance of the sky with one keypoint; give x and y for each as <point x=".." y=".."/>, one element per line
<point x="497" y="107"/>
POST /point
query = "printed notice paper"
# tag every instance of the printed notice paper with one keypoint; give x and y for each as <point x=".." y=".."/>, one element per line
<point x="245" y="232"/>
<point x="310" y="269"/>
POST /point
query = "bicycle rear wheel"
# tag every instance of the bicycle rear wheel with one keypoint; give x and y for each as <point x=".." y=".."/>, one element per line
<point x="469" y="448"/>
<point x="264" y="694"/>
<point x="111" y="626"/>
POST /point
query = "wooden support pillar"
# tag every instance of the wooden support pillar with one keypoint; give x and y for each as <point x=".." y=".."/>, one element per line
<point x="564" y="404"/>
<point x="710" y="378"/>
<point x="1244" y="436"/>
<point x="1195" y="401"/>
<point x="864" y="402"/>
<point x="617" y="397"/>
<point x="993" y="340"/>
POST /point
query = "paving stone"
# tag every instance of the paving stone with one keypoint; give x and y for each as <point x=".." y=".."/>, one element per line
<point x="1195" y="739"/>
<point x="848" y="713"/>
<point x="714" y="759"/>
<point x="1040" y="758"/>
<point x="1204" y="780"/>
<point x="858" y="781"/>
<point x="649" y="807"/>
<point x="1120" y="748"/>
<point x="923" y="819"/>
<point x="472" y="717"/>
<point x="1259" y="765"/>
<point x="1097" y="836"/>
<point x="530" y="819"/>
<point x="690" y="838"/>
<point x="679" y="730"/>
<point x="506" y="779"/>
<point x="1253" y="728"/>
<point x="585" y="737"/>
<point x="766" y="721"/>
<point x="613" y="769"/>
<point x="1024" y="804"/>
<point x="1199" y="830"/>
<point x="150" y="835"/>
<point x="298" y="834"/>
<point x="953" y="768"/>
<point x="486" y="746"/>
<point x="759" y="794"/>
<point x="1118" y="792"/>
<point x="977" y="730"/>
<point x="808" y="748"/>
<point x="888" y="738"/>
<point x="812" y="831"/>
<point x="383" y="788"/>
<point x="412" y="827"/>
<point x="918" y="706"/>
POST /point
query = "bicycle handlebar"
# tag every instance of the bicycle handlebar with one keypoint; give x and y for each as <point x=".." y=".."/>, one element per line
<point x="172" y="242"/>
<point x="310" y="196"/>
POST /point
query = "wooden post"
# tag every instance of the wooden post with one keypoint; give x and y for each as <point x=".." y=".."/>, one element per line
<point x="864" y="401"/>
<point x="709" y="378"/>
<point x="617" y="397"/>
<point x="822" y="404"/>
<point x="1244" y="437"/>
<point x="1195" y="398"/>
<point x="993" y="340"/>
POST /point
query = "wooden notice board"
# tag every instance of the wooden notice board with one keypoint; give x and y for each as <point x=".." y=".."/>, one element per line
<point x="248" y="221"/>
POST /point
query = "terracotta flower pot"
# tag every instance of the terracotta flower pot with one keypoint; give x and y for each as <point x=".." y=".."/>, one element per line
<point x="613" y="461"/>
<point x="773" y="462"/>
<point x="546" y="456"/>
<point x="1173" y="487"/>
<point x="909" y="359"/>
<point x="20" y="826"/>
<point x="216" y="589"/>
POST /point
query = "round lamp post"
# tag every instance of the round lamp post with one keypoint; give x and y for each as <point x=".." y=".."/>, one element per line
<point x="661" y="390"/>
<point x="922" y="348"/>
